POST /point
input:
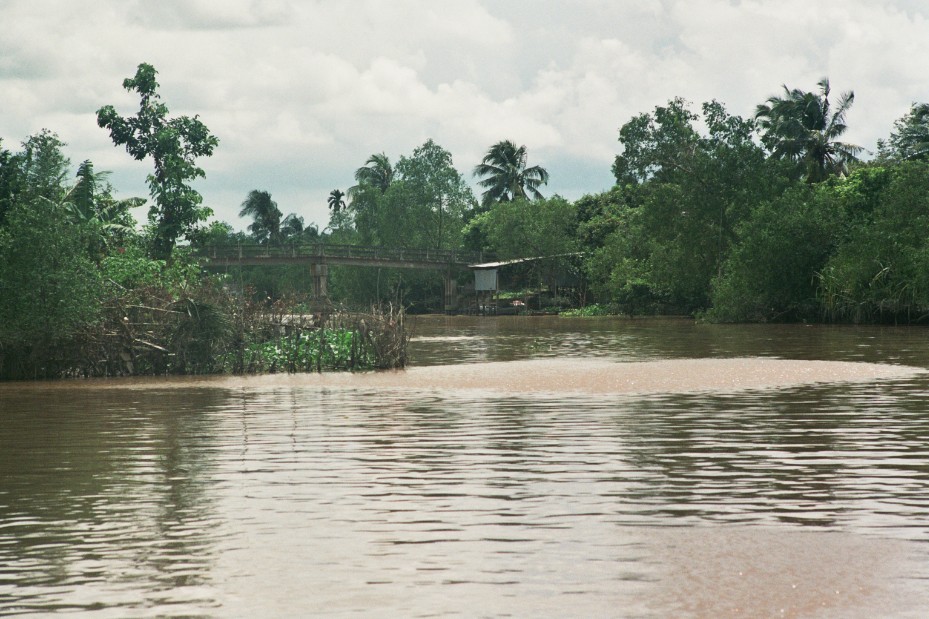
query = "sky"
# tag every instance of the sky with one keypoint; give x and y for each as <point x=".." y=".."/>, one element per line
<point x="301" y="92"/>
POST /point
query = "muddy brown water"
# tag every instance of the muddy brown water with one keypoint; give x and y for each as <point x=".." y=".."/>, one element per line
<point x="522" y="467"/>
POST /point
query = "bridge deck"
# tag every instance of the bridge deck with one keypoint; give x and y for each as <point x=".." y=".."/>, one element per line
<point x="327" y="253"/>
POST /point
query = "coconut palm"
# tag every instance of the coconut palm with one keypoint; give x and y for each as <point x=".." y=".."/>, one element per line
<point x="336" y="200"/>
<point x="292" y="227"/>
<point x="266" y="224"/>
<point x="801" y="127"/>
<point x="376" y="172"/>
<point x="505" y="175"/>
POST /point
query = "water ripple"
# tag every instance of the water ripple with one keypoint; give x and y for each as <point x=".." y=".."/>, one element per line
<point x="429" y="502"/>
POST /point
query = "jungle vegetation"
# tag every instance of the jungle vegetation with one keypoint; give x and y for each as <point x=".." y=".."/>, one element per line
<point x="772" y="217"/>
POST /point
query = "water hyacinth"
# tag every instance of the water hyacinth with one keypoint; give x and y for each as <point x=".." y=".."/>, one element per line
<point x="340" y="341"/>
<point x="322" y="349"/>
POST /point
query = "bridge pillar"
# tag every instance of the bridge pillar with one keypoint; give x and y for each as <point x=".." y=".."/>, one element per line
<point x="320" y="280"/>
<point x="451" y="294"/>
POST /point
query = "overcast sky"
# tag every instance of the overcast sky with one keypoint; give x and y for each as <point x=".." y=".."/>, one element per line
<point x="300" y="93"/>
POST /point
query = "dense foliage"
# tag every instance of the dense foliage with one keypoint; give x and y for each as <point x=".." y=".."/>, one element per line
<point x="713" y="215"/>
<point x="85" y="292"/>
<point x="762" y="221"/>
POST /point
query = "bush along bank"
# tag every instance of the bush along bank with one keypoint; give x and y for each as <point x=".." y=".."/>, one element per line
<point x="205" y="329"/>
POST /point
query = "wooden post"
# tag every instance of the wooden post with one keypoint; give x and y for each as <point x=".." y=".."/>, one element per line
<point x="451" y="293"/>
<point x="320" y="277"/>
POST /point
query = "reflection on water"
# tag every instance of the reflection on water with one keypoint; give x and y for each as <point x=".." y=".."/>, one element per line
<point x="290" y="500"/>
<point x="103" y="489"/>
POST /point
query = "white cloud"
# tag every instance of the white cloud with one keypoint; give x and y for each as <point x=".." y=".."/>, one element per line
<point x="208" y="14"/>
<point x="301" y="93"/>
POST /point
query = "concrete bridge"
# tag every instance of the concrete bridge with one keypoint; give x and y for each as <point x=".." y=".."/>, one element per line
<point x="319" y="256"/>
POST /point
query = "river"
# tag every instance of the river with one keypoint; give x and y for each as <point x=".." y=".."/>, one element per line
<point x="523" y="467"/>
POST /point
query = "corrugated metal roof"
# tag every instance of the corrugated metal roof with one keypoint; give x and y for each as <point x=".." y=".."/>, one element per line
<point x="497" y="265"/>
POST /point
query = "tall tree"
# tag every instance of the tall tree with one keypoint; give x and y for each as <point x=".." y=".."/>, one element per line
<point x="423" y="206"/>
<point x="439" y="197"/>
<point x="336" y="200"/>
<point x="266" y="217"/>
<point x="44" y="167"/>
<point x="376" y="172"/>
<point x="680" y="197"/>
<point x="657" y="146"/>
<point x="173" y="144"/>
<point x="11" y="180"/>
<point x="373" y="180"/>
<point x="910" y="136"/>
<point x="505" y="176"/>
<point x="802" y="127"/>
<point x="292" y="227"/>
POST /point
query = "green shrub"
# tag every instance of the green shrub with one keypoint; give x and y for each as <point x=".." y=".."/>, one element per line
<point x="309" y="351"/>
<point x="594" y="309"/>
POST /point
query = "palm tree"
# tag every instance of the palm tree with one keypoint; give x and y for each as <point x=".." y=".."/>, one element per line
<point x="801" y="128"/>
<point x="90" y="201"/>
<point x="376" y="172"/>
<point x="336" y="200"/>
<point x="505" y="175"/>
<point x="266" y="224"/>
<point x="292" y="227"/>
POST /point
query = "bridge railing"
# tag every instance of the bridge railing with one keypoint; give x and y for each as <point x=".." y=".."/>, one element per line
<point x="335" y="250"/>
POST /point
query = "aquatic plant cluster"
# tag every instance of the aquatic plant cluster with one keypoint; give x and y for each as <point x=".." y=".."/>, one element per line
<point x="350" y="341"/>
<point x="592" y="309"/>
<point x="308" y="352"/>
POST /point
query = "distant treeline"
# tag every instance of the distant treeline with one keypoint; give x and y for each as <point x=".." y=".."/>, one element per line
<point x="769" y="218"/>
